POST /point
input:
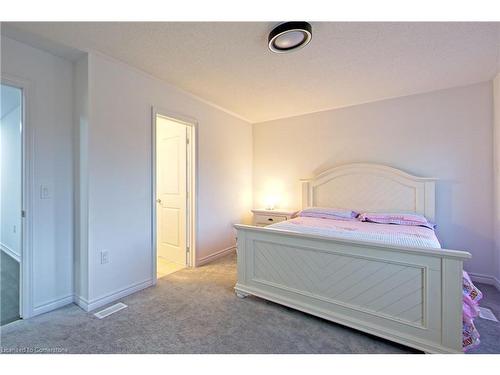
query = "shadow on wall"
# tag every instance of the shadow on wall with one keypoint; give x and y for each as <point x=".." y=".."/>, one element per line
<point x="459" y="237"/>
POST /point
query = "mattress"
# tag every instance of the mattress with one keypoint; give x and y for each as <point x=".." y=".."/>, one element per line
<point x="397" y="235"/>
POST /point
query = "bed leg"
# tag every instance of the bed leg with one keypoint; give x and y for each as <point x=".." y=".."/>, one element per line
<point x="241" y="294"/>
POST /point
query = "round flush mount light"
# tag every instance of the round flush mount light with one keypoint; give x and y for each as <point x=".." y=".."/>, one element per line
<point x="290" y="36"/>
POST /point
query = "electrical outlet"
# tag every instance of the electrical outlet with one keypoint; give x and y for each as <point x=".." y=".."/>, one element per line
<point x="104" y="256"/>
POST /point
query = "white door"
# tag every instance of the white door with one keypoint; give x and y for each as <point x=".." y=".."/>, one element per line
<point x="171" y="139"/>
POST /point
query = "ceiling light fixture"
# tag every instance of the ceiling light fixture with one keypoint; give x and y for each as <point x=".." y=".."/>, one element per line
<point x="290" y="36"/>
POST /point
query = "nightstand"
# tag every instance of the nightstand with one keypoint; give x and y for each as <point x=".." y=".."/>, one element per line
<point x="263" y="217"/>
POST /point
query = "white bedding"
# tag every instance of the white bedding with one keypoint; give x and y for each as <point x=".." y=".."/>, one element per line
<point x="398" y="235"/>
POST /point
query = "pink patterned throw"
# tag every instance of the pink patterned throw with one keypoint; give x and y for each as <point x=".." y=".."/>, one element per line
<point x="470" y="310"/>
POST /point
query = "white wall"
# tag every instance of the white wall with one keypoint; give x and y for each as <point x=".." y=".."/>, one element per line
<point x="10" y="180"/>
<point x="445" y="134"/>
<point x="496" y="140"/>
<point x="49" y="106"/>
<point x="119" y="174"/>
<point x="101" y="109"/>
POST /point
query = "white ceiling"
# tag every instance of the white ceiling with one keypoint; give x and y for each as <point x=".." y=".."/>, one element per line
<point x="345" y="64"/>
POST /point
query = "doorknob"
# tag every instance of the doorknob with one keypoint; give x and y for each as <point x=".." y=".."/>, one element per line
<point x="158" y="201"/>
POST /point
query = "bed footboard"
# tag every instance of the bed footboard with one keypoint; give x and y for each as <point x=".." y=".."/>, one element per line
<point x="408" y="295"/>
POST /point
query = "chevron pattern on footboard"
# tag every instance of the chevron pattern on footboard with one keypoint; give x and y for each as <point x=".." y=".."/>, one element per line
<point x="393" y="290"/>
<point x="411" y="296"/>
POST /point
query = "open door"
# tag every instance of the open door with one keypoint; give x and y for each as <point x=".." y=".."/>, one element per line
<point x="171" y="186"/>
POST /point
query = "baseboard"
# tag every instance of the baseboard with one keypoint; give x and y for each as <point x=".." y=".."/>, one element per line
<point x="214" y="256"/>
<point x="81" y="302"/>
<point x="90" y="305"/>
<point x="111" y="297"/>
<point x="485" y="279"/>
<point x="49" y="306"/>
<point x="7" y="250"/>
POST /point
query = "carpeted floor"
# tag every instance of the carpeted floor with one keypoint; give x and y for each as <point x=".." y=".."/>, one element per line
<point x="9" y="289"/>
<point x="489" y="331"/>
<point x="196" y="311"/>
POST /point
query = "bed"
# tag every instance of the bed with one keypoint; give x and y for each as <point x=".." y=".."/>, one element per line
<point x="404" y="288"/>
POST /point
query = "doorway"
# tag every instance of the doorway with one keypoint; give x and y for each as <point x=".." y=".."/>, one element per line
<point x="174" y="173"/>
<point x="11" y="201"/>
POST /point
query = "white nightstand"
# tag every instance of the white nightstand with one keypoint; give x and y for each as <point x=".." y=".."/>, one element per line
<point x="263" y="217"/>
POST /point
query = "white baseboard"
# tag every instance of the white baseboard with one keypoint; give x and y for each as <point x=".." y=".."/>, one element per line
<point x="81" y="302"/>
<point x="111" y="297"/>
<point x="485" y="279"/>
<point x="7" y="250"/>
<point x="49" y="306"/>
<point x="214" y="256"/>
<point x="90" y="305"/>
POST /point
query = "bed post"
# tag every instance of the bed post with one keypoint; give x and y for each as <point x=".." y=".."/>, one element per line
<point x="306" y="193"/>
<point x="241" y="264"/>
<point x="451" y="278"/>
<point x="430" y="200"/>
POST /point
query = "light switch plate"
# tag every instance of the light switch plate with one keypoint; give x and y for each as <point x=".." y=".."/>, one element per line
<point x="104" y="256"/>
<point x="44" y="192"/>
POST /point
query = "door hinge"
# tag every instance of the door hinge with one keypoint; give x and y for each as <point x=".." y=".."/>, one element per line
<point x="188" y="249"/>
<point x="187" y="140"/>
<point x="23" y="213"/>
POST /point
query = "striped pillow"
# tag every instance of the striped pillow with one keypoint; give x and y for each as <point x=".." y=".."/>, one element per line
<point x="328" y="213"/>
<point x="396" y="218"/>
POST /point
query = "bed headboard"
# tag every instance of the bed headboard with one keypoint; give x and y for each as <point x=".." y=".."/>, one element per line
<point x="370" y="187"/>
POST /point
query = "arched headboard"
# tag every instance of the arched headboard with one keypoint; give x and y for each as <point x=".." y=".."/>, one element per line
<point x="370" y="187"/>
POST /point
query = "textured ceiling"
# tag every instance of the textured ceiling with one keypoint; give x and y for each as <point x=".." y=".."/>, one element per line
<point x="345" y="63"/>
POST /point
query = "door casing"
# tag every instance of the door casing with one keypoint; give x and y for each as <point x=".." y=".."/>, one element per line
<point x="191" y="185"/>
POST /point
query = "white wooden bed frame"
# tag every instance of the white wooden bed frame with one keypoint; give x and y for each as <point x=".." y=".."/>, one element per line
<point x="412" y="296"/>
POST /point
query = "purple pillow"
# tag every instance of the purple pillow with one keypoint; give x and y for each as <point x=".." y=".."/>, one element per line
<point x="328" y="213"/>
<point x="396" y="218"/>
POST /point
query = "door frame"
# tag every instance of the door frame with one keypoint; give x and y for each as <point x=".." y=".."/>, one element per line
<point x="191" y="185"/>
<point x="27" y="185"/>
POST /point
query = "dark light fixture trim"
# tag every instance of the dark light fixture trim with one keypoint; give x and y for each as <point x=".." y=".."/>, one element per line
<point x="291" y="29"/>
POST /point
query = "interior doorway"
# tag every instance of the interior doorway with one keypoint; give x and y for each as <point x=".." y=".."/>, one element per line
<point x="11" y="201"/>
<point x="173" y="206"/>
